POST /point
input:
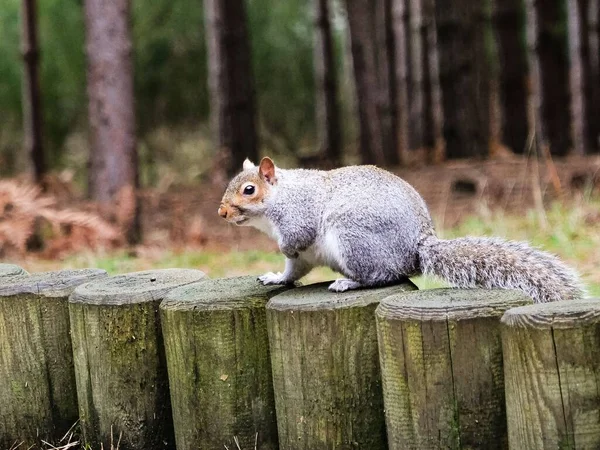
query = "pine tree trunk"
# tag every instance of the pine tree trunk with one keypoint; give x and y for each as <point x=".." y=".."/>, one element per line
<point x="372" y="47"/>
<point x="548" y="68"/>
<point x="113" y="170"/>
<point x="32" y="103"/>
<point x="508" y="23"/>
<point x="417" y="105"/>
<point x="593" y="18"/>
<point x="463" y="77"/>
<point x="421" y="109"/>
<point x="231" y="83"/>
<point x="402" y="59"/>
<point x="361" y="19"/>
<point x="384" y="36"/>
<point x="437" y="109"/>
<point x="327" y="114"/>
<point x="581" y="79"/>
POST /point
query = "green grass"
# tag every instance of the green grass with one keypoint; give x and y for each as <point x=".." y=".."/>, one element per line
<point x="570" y="231"/>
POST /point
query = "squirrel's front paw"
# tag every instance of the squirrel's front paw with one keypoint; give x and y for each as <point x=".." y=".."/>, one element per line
<point x="273" y="278"/>
<point x="343" y="284"/>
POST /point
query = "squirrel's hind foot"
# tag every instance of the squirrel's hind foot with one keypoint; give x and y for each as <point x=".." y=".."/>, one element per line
<point x="344" y="284"/>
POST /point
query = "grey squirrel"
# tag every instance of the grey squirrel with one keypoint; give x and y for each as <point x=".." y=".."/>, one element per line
<point x="375" y="229"/>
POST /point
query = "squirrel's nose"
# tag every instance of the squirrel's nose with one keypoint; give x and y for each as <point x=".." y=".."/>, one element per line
<point x="222" y="211"/>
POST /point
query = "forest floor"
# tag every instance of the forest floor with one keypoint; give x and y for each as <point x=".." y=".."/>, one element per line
<point x="553" y="205"/>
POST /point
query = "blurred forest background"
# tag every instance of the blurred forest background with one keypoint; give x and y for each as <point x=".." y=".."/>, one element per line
<point x="122" y="121"/>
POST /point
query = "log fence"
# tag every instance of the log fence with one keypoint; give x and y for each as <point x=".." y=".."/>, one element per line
<point x="167" y="359"/>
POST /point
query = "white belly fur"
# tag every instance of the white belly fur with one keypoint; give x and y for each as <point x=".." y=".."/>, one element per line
<point x="324" y="252"/>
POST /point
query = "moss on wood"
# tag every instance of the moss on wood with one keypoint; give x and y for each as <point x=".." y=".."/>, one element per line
<point x="552" y="369"/>
<point x="325" y="368"/>
<point x="119" y="358"/>
<point x="37" y="391"/>
<point x="441" y="363"/>
<point x="219" y="366"/>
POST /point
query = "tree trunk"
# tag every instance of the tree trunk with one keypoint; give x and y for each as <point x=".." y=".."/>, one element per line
<point x="581" y="79"/>
<point x="421" y="110"/>
<point x="548" y="67"/>
<point x="463" y="77"/>
<point x="384" y="35"/>
<point x="113" y="170"/>
<point x="402" y="59"/>
<point x="32" y="103"/>
<point x="360" y="25"/>
<point x="372" y="47"/>
<point x="437" y="109"/>
<point x="327" y="114"/>
<point x="508" y="23"/>
<point x="594" y="55"/>
<point x="231" y="83"/>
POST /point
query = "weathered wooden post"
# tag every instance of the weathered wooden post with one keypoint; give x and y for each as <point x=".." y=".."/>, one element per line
<point x="217" y="352"/>
<point x="119" y="358"/>
<point x="441" y="364"/>
<point x="10" y="270"/>
<point x="325" y="364"/>
<point x="37" y="381"/>
<point x="552" y="373"/>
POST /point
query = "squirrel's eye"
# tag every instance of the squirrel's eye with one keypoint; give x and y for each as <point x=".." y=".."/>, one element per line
<point x="249" y="190"/>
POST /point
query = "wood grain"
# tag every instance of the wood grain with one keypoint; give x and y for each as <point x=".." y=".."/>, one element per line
<point x="326" y="374"/>
<point x="441" y="364"/>
<point x="37" y="391"/>
<point x="119" y="358"/>
<point x="219" y="366"/>
<point x="552" y="371"/>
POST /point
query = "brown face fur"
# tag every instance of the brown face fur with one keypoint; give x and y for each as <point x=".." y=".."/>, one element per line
<point x="237" y="206"/>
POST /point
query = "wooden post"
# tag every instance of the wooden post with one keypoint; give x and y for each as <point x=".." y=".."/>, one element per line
<point x="441" y="365"/>
<point x="119" y="358"/>
<point x="217" y="352"/>
<point x="37" y="387"/>
<point x="10" y="270"/>
<point x="552" y="368"/>
<point x="325" y="368"/>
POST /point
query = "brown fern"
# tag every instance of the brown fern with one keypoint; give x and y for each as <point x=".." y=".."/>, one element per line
<point x="25" y="213"/>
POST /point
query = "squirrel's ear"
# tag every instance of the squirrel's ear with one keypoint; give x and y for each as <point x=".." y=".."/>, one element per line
<point x="248" y="165"/>
<point x="267" y="170"/>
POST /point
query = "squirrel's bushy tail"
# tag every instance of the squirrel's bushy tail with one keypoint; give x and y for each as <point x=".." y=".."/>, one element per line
<point x="496" y="263"/>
